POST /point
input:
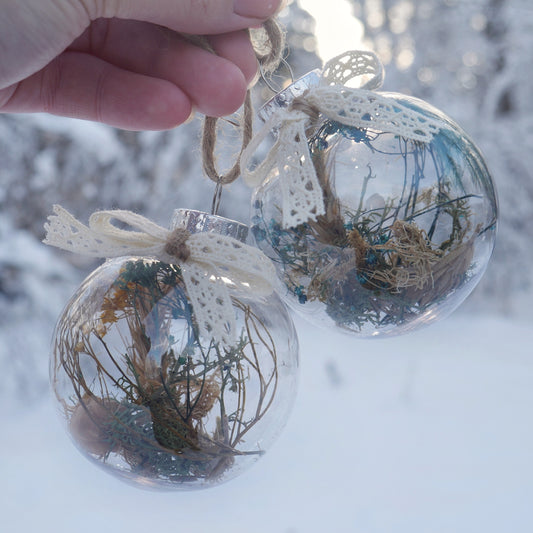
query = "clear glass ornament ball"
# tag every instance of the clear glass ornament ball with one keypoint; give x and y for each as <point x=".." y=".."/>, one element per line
<point x="148" y="399"/>
<point x="408" y="232"/>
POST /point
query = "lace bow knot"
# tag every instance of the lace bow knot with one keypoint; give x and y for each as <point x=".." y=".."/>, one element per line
<point x="358" y="107"/>
<point x="208" y="261"/>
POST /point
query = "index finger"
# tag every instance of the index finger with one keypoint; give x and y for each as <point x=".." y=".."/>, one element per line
<point x="201" y="17"/>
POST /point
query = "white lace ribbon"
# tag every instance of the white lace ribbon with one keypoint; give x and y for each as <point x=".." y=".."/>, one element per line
<point x="213" y="261"/>
<point x="359" y="107"/>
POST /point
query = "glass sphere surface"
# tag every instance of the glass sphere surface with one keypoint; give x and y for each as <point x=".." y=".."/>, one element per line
<point x="149" y="400"/>
<point x="408" y="231"/>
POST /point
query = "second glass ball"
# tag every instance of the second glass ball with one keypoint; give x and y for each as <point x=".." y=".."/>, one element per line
<point x="408" y="231"/>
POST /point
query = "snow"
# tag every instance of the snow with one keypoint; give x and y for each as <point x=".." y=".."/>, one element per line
<point x="428" y="432"/>
<point x="97" y="140"/>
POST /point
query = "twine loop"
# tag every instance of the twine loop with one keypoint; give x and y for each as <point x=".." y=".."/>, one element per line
<point x="269" y="44"/>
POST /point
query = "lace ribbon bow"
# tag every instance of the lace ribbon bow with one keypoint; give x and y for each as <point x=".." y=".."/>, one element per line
<point x="358" y="107"/>
<point x="208" y="261"/>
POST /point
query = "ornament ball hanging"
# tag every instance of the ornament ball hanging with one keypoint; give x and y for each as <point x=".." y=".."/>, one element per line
<point x="174" y="363"/>
<point x="377" y="209"/>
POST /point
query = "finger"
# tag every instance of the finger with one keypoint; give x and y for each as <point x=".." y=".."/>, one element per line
<point x="189" y="16"/>
<point x="81" y="86"/>
<point x="215" y="84"/>
<point x="236" y="47"/>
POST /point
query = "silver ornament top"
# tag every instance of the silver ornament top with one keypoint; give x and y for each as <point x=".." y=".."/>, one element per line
<point x="200" y="222"/>
<point x="285" y="97"/>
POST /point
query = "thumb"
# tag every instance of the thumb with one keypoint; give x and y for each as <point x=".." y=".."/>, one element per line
<point x="187" y="16"/>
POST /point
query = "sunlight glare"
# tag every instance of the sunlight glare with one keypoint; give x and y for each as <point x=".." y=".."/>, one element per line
<point x="337" y="30"/>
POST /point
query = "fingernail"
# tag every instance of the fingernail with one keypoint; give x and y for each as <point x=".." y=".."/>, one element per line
<point x="191" y="117"/>
<point x="255" y="8"/>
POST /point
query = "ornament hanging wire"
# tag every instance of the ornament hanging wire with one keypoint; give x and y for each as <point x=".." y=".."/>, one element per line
<point x="215" y="205"/>
<point x="268" y="79"/>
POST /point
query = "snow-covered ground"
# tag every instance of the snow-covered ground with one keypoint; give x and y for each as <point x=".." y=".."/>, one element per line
<point x="426" y="433"/>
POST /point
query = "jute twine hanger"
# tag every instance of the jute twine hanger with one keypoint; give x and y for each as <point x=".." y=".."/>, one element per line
<point x="269" y="44"/>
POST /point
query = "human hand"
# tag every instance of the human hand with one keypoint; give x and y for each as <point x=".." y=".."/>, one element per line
<point x="124" y="62"/>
